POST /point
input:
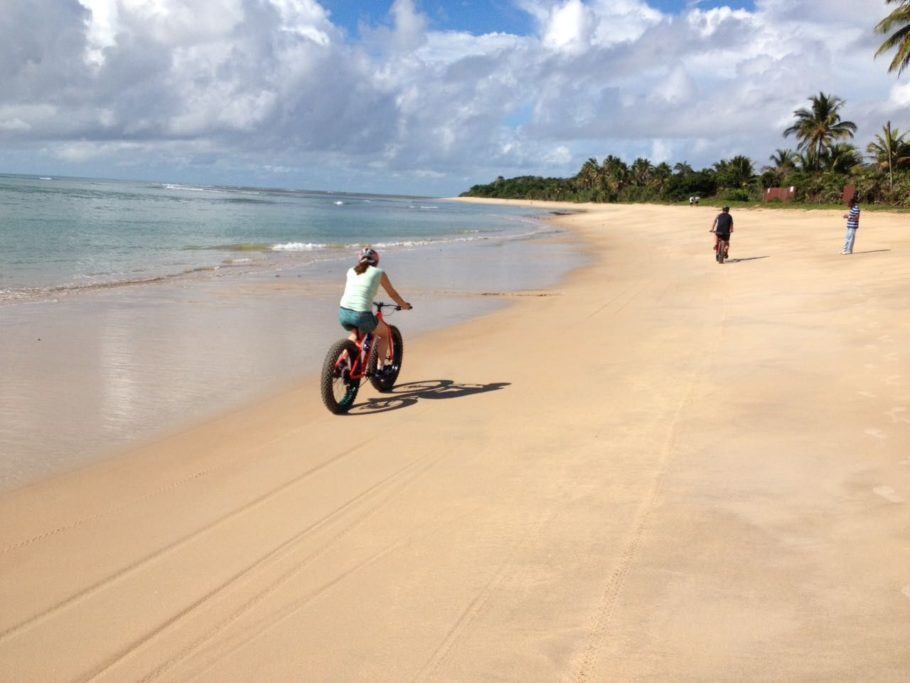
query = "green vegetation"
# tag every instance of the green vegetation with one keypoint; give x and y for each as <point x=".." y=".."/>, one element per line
<point x="898" y="25"/>
<point x="822" y="164"/>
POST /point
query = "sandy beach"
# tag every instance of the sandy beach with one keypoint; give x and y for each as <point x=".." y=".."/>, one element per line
<point x="660" y="469"/>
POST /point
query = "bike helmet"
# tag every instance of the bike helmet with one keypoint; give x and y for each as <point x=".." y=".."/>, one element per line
<point x="369" y="255"/>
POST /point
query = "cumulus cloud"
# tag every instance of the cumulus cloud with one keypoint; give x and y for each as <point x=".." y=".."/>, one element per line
<point x="273" y="88"/>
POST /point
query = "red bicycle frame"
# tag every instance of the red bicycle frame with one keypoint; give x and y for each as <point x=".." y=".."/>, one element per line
<point x="360" y="366"/>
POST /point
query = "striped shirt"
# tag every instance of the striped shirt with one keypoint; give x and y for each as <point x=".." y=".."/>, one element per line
<point x="853" y="217"/>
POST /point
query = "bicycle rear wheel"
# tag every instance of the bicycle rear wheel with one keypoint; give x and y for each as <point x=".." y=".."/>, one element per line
<point x="386" y="380"/>
<point x="337" y="388"/>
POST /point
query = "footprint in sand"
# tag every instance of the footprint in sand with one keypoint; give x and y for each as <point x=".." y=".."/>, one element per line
<point x="876" y="433"/>
<point x="893" y="379"/>
<point x="888" y="494"/>
<point x="898" y="414"/>
<point x="886" y="338"/>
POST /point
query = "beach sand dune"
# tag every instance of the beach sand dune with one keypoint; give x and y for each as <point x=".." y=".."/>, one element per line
<point x="666" y="469"/>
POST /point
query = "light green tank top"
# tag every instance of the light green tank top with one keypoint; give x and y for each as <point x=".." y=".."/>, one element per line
<point x="360" y="290"/>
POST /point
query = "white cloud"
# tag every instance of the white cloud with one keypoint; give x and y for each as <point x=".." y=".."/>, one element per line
<point x="273" y="84"/>
<point x="14" y="124"/>
<point x="899" y="97"/>
<point x="569" y="27"/>
<point x="661" y="151"/>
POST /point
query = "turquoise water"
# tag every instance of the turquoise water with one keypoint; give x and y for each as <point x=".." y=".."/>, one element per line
<point x="62" y="233"/>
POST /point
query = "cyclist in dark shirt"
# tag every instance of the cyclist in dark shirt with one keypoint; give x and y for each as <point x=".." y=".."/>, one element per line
<point x="722" y="228"/>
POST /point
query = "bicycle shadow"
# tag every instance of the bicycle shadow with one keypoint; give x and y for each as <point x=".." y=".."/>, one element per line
<point x="404" y="395"/>
<point x="747" y="258"/>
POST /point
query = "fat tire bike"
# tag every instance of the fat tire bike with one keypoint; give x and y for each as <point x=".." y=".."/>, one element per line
<point x="721" y="250"/>
<point x="348" y="363"/>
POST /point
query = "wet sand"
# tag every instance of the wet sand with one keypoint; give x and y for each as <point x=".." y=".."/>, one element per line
<point x="115" y="367"/>
<point x="660" y="469"/>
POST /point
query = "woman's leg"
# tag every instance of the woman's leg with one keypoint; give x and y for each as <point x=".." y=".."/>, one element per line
<point x="382" y="342"/>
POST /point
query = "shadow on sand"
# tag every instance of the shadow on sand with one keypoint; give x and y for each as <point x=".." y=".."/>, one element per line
<point x="870" y="251"/>
<point x="748" y="258"/>
<point x="404" y="395"/>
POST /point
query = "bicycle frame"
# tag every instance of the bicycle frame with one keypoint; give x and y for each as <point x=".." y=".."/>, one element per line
<point x="360" y="365"/>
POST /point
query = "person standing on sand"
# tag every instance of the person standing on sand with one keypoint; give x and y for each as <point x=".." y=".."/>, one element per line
<point x="852" y="225"/>
<point x="722" y="229"/>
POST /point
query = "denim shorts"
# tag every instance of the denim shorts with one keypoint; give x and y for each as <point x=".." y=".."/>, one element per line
<point x="350" y="320"/>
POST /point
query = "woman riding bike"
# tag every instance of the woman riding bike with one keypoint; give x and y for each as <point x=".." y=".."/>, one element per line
<point x="356" y="306"/>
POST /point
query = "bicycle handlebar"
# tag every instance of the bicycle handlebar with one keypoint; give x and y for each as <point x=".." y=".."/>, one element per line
<point x="385" y="304"/>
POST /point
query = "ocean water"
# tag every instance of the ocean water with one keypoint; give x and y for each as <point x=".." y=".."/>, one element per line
<point x="61" y="234"/>
<point x="131" y="310"/>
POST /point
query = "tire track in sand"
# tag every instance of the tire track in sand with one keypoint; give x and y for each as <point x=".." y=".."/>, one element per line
<point x="148" y="495"/>
<point x="475" y="607"/>
<point x="175" y="545"/>
<point x="615" y="582"/>
<point x="388" y="486"/>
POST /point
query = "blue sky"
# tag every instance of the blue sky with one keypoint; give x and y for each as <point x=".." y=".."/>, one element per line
<point x="422" y="96"/>
<point x="483" y="16"/>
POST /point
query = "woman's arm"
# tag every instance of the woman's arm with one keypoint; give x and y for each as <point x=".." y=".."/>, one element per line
<point x="387" y="286"/>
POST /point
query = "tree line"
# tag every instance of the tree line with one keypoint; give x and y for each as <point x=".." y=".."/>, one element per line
<point x="823" y="162"/>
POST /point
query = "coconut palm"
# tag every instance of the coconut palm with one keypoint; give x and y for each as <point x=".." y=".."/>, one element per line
<point x="682" y="168"/>
<point x="783" y="159"/>
<point x="898" y="22"/>
<point x="889" y="150"/>
<point x="818" y="128"/>
<point x="842" y="157"/>
<point x="661" y="176"/>
<point x="590" y="174"/>
<point x="641" y="171"/>
<point x="735" y="172"/>
<point x="804" y="161"/>
<point x="782" y="162"/>
<point x="616" y="173"/>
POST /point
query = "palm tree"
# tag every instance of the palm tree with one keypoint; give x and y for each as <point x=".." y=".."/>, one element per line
<point x="682" y="168"/>
<point x="804" y="162"/>
<point x="890" y="150"/>
<point x="899" y="21"/>
<point x="783" y="159"/>
<point x="842" y="157"/>
<point x="641" y="171"/>
<point x="590" y="174"/>
<point x="735" y="172"/>
<point x="819" y="127"/>
<point x="616" y="173"/>
<point x="661" y="176"/>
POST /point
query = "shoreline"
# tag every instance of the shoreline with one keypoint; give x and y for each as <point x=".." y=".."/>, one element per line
<point x="119" y="367"/>
<point x="665" y="468"/>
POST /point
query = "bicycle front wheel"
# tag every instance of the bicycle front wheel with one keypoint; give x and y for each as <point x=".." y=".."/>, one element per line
<point x="336" y="384"/>
<point x="385" y="381"/>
